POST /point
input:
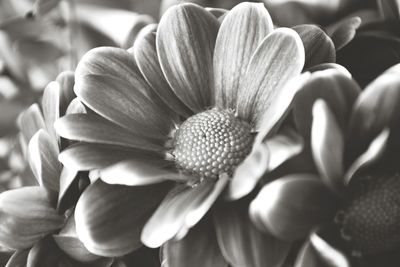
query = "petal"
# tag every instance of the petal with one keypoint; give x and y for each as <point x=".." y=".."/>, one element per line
<point x="278" y="58"/>
<point x="182" y="208"/>
<point x="67" y="240"/>
<point x="240" y="33"/>
<point x="375" y="109"/>
<point x="67" y="179"/>
<point x="145" y="52"/>
<point x="75" y="106"/>
<point x="217" y="12"/>
<point x="66" y="82"/>
<point x="318" y="46"/>
<point x="330" y="85"/>
<point x="185" y="44"/>
<point x="31" y="121"/>
<point x="291" y="206"/>
<point x="18" y="259"/>
<point x="325" y="66"/>
<point x="136" y="172"/>
<point x="197" y="249"/>
<point x="240" y="241"/>
<point x="46" y="253"/>
<point x="248" y="173"/>
<point x="327" y="143"/>
<point x="84" y="157"/>
<point x="344" y="31"/>
<point x="26" y="216"/>
<point x="51" y="107"/>
<point x="389" y="9"/>
<point x="122" y="103"/>
<point x="42" y="157"/>
<point x="95" y="129"/>
<point x="109" y="218"/>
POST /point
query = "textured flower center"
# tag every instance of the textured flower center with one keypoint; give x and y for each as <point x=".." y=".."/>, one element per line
<point x="212" y="142"/>
<point x="372" y="220"/>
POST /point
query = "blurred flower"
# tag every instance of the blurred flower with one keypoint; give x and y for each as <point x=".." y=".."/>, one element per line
<point x="175" y="117"/>
<point x="351" y="207"/>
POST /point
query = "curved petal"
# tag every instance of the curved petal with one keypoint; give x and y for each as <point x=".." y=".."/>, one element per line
<point x="145" y="52"/>
<point x="240" y="33"/>
<point x="46" y="253"/>
<point x="67" y="178"/>
<point x="278" y="58"/>
<point x="76" y="107"/>
<point x="85" y="157"/>
<point x="335" y="88"/>
<point x="241" y="243"/>
<point x="326" y="66"/>
<point x="375" y="109"/>
<point x="66" y="82"/>
<point x="248" y="173"/>
<point x="197" y="249"/>
<point x="182" y="208"/>
<point x="30" y="121"/>
<point x="327" y="144"/>
<point x="18" y="259"/>
<point x="122" y="103"/>
<point x="95" y="129"/>
<point x="109" y="218"/>
<point x="26" y="216"/>
<point x="344" y="31"/>
<point x="318" y="46"/>
<point x="51" y="107"/>
<point x="185" y="45"/>
<point x="291" y="206"/>
<point x="135" y="172"/>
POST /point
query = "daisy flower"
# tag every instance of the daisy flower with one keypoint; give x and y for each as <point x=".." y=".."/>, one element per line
<point x="350" y="206"/>
<point x="172" y="121"/>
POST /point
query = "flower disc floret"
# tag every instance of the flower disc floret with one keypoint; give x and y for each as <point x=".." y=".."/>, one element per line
<point x="212" y="142"/>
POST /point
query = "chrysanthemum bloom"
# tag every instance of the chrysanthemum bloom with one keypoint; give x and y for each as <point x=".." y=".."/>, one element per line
<point x="175" y="118"/>
<point x="33" y="220"/>
<point x="352" y="205"/>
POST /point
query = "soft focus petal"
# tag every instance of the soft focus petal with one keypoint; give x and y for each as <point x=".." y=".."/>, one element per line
<point x="18" y="259"/>
<point x="185" y="45"/>
<point x="389" y="9"/>
<point x="75" y="107"/>
<point x="327" y="143"/>
<point x="26" y="215"/>
<point x="240" y="33"/>
<point x="330" y="85"/>
<point x="182" y="208"/>
<point x="145" y="52"/>
<point x="43" y="160"/>
<point x="197" y="249"/>
<point x="318" y="46"/>
<point x="66" y="82"/>
<point x="135" y="172"/>
<point x="109" y="218"/>
<point x="123" y="103"/>
<point x="344" y="31"/>
<point x="46" y="253"/>
<point x="217" y="12"/>
<point x="241" y="243"/>
<point x="95" y="129"/>
<point x="291" y="206"/>
<point x="375" y="109"/>
<point x="51" y="107"/>
<point x="247" y="174"/>
<point x="277" y="59"/>
<point x="31" y="121"/>
<point x="84" y="157"/>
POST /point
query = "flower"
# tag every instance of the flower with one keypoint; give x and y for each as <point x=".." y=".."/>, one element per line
<point x="34" y="219"/>
<point x="174" y="119"/>
<point x="351" y="205"/>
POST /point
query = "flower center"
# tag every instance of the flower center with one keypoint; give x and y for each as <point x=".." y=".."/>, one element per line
<point x="212" y="142"/>
<point x="372" y="220"/>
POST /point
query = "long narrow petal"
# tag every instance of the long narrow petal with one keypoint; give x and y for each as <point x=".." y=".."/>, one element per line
<point x="375" y="109"/>
<point x="122" y="103"/>
<point x="185" y="45"/>
<point x="18" y="259"/>
<point x="109" y="218"/>
<point x="26" y="215"/>
<point x="318" y="47"/>
<point x="145" y="52"/>
<point x="182" y="208"/>
<point x="51" y="107"/>
<point x="134" y="172"/>
<point x="344" y="31"/>
<point x="331" y="85"/>
<point x="31" y="121"/>
<point x="241" y="243"/>
<point x="277" y="59"/>
<point x="84" y="157"/>
<point x="327" y="144"/>
<point x="95" y="129"/>
<point x="43" y="159"/>
<point x="67" y="179"/>
<point x="240" y="33"/>
<point x="197" y="249"/>
<point x="291" y="206"/>
<point x="66" y="80"/>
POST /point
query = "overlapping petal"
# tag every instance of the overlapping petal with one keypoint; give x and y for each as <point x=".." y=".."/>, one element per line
<point x="51" y="107"/>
